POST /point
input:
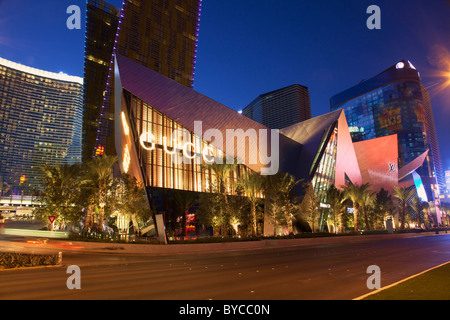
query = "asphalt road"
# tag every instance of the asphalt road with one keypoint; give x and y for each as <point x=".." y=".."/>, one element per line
<point x="316" y="272"/>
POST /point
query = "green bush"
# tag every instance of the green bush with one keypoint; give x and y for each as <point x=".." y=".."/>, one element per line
<point x="214" y="240"/>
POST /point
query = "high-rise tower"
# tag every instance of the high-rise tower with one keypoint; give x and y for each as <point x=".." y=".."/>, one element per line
<point x="40" y="123"/>
<point x="161" y="35"/>
<point x="281" y="108"/>
<point x="101" y="29"/>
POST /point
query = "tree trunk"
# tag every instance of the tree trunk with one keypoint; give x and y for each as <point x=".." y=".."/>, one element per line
<point x="366" y="218"/>
<point x="100" y="219"/>
<point x="355" y="217"/>
<point x="253" y="212"/>
<point x="88" y="221"/>
<point x="402" y="218"/>
<point x="341" y="224"/>
<point x="102" y="199"/>
<point x="420" y="218"/>
<point x="289" y="219"/>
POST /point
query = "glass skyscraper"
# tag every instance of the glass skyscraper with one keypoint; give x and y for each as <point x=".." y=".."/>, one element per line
<point x="281" y="108"/>
<point x="396" y="102"/>
<point x="160" y="35"/>
<point x="40" y="122"/>
<point x="101" y="28"/>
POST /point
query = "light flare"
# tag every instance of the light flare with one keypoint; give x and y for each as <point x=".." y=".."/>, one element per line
<point x="439" y="58"/>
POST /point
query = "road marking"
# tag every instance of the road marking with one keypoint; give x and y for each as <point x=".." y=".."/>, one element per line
<point x="398" y="282"/>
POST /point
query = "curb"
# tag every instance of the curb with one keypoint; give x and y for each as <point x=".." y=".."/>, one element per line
<point x="170" y="249"/>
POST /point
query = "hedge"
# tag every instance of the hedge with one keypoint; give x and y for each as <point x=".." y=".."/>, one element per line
<point x="10" y="260"/>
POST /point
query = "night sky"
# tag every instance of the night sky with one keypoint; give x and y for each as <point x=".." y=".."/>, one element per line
<point x="249" y="47"/>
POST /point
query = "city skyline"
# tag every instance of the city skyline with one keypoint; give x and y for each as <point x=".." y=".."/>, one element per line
<point x="323" y="45"/>
<point x="207" y="150"/>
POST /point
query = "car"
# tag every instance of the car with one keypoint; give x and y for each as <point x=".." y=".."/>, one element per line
<point x="2" y="220"/>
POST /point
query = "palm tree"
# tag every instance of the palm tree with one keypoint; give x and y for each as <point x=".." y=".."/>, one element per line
<point x="284" y="185"/>
<point x="130" y="199"/>
<point x="252" y="185"/>
<point x="418" y="206"/>
<point x="309" y="206"/>
<point x="368" y="199"/>
<point x="335" y="200"/>
<point x="222" y="173"/>
<point x="383" y="206"/>
<point x="61" y="186"/>
<point x="354" y="193"/>
<point x="403" y="195"/>
<point x="99" y="172"/>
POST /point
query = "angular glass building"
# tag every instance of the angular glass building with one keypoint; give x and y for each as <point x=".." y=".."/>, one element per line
<point x="40" y="122"/>
<point x="281" y="108"/>
<point x="396" y="102"/>
<point x="166" y="134"/>
<point x="327" y="156"/>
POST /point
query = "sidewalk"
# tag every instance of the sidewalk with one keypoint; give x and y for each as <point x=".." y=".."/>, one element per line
<point x="171" y="249"/>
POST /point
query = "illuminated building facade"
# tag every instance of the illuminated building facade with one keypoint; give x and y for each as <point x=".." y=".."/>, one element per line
<point x="40" y="122"/>
<point x="160" y="35"/>
<point x="154" y="107"/>
<point x="327" y="156"/>
<point x="378" y="162"/>
<point x="281" y="108"/>
<point x="396" y="102"/>
<point x="445" y="197"/>
<point x="102" y="20"/>
<point x="158" y="121"/>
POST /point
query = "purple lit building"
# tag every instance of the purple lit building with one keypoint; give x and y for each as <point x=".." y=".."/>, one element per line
<point x="160" y="35"/>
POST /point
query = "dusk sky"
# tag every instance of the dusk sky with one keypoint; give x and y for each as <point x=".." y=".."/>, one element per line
<point x="249" y="47"/>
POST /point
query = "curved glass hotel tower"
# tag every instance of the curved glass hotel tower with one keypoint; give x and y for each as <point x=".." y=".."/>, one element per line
<point x="40" y="122"/>
<point x="396" y="102"/>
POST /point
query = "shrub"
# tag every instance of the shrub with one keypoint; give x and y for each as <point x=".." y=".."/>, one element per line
<point x="10" y="260"/>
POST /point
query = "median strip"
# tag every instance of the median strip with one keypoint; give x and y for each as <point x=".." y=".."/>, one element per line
<point x="13" y="260"/>
<point x="412" y="288"/>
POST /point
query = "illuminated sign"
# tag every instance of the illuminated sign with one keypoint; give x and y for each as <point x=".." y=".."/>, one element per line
<point x="391" y="119"/>
<point x="392" y="167"/>
<point x="185" y="146"/>
<point x="188" y="149"/>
